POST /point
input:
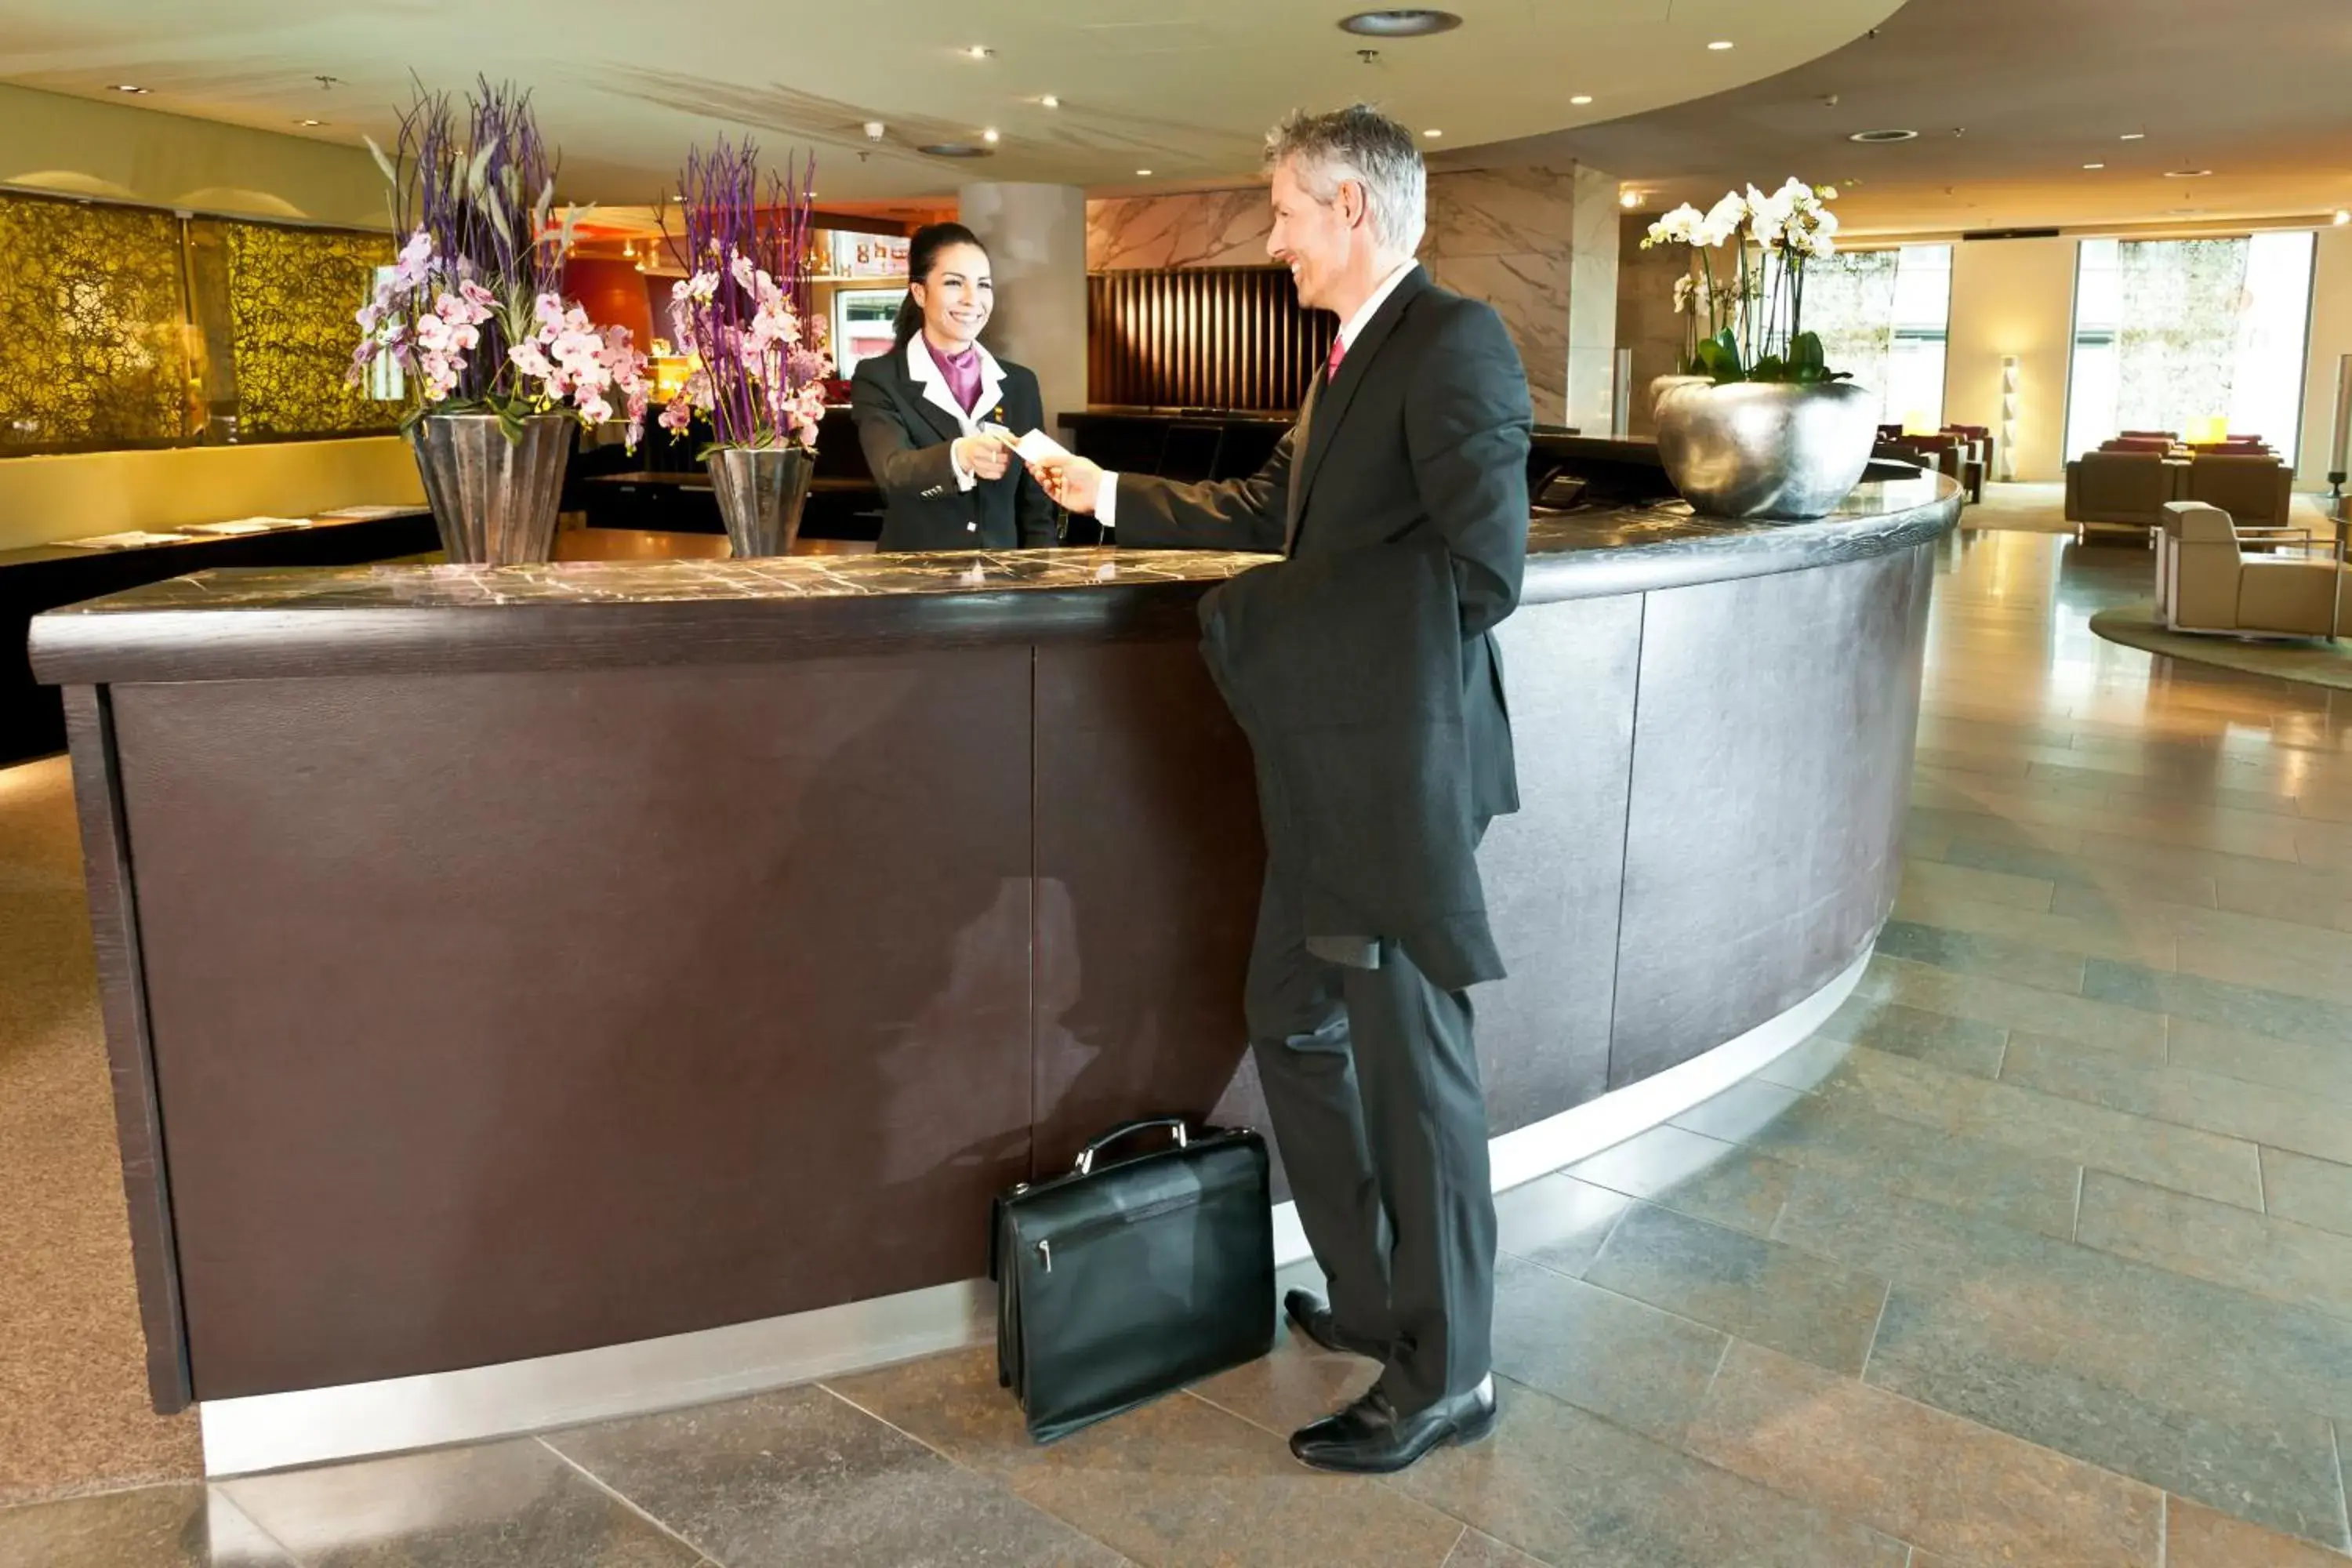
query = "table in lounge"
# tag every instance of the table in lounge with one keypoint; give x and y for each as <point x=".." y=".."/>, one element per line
<point x="533" y="959"/>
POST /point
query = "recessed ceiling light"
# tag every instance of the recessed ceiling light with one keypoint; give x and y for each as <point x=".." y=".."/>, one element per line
<point x="989" y="135"/>
<point x="1144" y="173"/>
<point x="2186" y="173"/>
<point x="1581" y="98"/>
<point x="1432" y="134"/>
<point x="2095" y="165"/>
<point x="1720" y="44"/>
<point x="2342" y="216"/>
<point x="2133" y="136"/>
<point x="952" y="150"/>
<point x="126" y="87"/>
<point x="310" y="122"/>
<point x="1629" y="199"/>
<point x="1887" y="135"/>
<point x="1413" y="23"/>
<point x="1050" y="102"/>
<point x="979" y="51"/>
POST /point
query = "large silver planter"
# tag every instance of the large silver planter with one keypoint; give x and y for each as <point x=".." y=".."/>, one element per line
<point x="761" y="491"/>
<point x="1766" y="449"/>
<point x="494" y="499"/>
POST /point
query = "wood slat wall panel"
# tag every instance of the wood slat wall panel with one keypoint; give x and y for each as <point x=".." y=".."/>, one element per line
<point x="1201" y="337"/>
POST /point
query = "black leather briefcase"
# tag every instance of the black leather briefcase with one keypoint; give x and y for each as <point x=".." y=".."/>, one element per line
<point x="1128" y="1278"/>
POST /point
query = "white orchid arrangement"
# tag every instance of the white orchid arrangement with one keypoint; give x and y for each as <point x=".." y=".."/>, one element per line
<point x="1755" y="320"/>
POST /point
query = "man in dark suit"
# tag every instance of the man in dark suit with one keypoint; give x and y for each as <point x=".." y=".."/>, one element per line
<point x="1399" y="502"/>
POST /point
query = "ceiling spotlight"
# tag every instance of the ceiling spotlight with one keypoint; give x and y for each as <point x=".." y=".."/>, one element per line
<point x="1887" y="135"/>
<point x="2133" y="136"/>
<point x="1143" y="173"/>
<point x="1433" y="134"/>
<point x="979" y="51"/>
<point x="989" y="135"/>
<point x="310" y="122"/>
<point x="2095" y="165"/>
<point x="1581" y="98"/>
<point x="1720" y="44"/>
<point x="126" y="87"/>
<point x="2186" y="173"/>
<point x="2342" y="218"/>
<point x="1413" y="23"/>
<point x="1628" y="199"/>
<point x="1050" y="102"/>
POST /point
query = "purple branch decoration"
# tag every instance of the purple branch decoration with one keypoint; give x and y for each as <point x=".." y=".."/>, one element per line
<point x="743" y="314"/>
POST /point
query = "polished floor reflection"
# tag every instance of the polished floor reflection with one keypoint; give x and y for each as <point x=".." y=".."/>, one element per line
<point x="2039" y="1253"/>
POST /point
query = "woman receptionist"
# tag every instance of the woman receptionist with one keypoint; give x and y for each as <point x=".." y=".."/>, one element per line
<point x="921" y="409"/>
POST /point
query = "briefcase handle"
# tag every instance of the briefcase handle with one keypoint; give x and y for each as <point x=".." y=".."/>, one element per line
<point x="1173" y="1123"/>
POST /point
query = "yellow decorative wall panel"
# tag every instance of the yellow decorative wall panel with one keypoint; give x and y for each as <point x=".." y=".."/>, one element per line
<point x="291" y="296"/>
<point x="94" y="348"/>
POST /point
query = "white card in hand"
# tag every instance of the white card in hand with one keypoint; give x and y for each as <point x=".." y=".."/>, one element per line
<point x="1039" y="447"/>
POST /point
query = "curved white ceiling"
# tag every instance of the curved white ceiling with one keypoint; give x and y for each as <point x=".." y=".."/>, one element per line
<point x="1183" y="88"/>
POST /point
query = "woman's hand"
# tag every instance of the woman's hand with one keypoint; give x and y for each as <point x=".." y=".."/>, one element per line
<point x="982" y="457"/>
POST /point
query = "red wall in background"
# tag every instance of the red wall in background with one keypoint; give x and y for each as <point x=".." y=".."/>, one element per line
<point x="613" y="293"/>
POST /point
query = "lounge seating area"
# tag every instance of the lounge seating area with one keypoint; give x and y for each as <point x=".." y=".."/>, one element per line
<point x="2207" y="582"/>
<point x="2130" y="479"/>
<point x="1964" y="452"/>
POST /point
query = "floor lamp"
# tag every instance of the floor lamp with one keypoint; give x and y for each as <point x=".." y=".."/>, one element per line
<point x="2008" y="415"/>
<point x="2336" y="452"/>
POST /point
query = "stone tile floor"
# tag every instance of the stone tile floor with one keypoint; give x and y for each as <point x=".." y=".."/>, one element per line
<point x="2039" y="1253"/>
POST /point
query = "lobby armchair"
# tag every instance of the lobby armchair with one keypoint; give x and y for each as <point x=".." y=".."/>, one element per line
<point x="2126" y="488"/>
<point x="2207" y="584"/>
<point x="2256" y="491"/>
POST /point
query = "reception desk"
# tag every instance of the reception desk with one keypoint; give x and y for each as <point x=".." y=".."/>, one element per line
<point x="499" y="964"/>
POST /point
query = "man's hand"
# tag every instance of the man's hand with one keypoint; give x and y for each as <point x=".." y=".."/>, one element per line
<point x="1074" y="483"/>
<point x="982" y="457"/>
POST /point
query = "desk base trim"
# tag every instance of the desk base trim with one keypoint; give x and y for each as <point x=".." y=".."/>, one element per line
<point x="319" y="1426"/>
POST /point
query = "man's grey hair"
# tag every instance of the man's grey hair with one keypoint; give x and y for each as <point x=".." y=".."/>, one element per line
<point x="1363" y="144"/>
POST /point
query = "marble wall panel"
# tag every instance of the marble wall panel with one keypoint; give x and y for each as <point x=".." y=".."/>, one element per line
<point x="1500" y="211"/>
<point x="1537" y="243"/>
<point x="1525" y="289"/>
<point x="1646" y="322"/>
<point x="1197" y="228"/>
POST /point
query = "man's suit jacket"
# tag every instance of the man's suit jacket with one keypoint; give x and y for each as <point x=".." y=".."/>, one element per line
<point x="907" y="437"/>
<point x="1416" y="452"/>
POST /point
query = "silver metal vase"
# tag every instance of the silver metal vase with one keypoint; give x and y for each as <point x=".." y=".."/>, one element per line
<point x="1766" y="449"/>
<point x="494" y="497"/>
<point x="761" y="491"/>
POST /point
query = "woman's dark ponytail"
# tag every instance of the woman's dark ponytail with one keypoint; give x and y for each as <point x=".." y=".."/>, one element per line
<point x="922" y="255"/>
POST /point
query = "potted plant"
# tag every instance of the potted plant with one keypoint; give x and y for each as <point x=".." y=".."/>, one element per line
<point x="1758" y="425"/>
<point x="498" y="368"/>
<point x="757" y="360"/>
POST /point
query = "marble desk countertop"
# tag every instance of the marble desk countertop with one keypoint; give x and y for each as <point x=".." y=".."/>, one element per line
<point x="309" y="622"/>
<point x="1571" y="554"/>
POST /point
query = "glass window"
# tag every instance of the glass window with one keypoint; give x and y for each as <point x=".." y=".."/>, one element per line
<point x="2173" y="334"/>
<point x="1885" y="315"/>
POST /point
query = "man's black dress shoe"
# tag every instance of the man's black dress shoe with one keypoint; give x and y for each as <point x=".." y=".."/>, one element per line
<point x="1305" y="1310"/>
<point x="1369" y="1438"/>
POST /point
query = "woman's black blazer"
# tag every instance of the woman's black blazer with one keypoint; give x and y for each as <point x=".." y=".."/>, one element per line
<point x="906" y="438"/>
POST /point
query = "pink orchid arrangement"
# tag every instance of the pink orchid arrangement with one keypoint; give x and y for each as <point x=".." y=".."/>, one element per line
<point x="742" y="314"/>
<point x="782" y="378"/>
<point x="474" y="306"/>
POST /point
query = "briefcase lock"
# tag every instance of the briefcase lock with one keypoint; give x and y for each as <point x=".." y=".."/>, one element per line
<point x="1175" y="1124"/>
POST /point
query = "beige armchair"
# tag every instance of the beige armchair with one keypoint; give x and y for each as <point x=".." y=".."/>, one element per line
<point x="2120" y="487"/>
<point x="2206" y="583"/>
<point x="2256" y="491"/>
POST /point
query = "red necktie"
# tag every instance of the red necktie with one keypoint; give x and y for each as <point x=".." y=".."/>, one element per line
<point x="1331" y="365"/>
